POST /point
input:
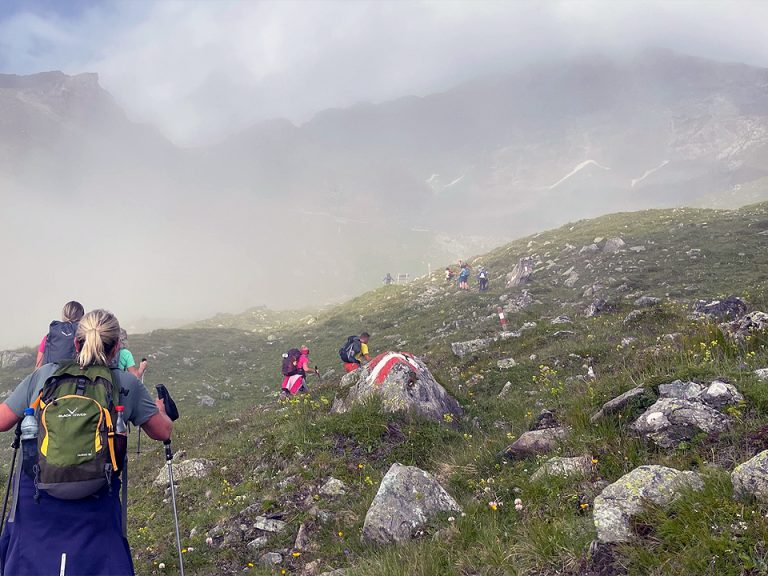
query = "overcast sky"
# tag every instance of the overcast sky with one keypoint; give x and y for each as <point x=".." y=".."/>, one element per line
<point x="202" y="69"/>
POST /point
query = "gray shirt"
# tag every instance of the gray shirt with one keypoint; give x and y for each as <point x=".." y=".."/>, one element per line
<point x="139" y="406"/>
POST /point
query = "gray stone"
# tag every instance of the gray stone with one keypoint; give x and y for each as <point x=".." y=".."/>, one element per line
<point x="751" y="478"/>
<point x="619" y="502"/>
<point x="680" y="389"/>
<point x="407" y="385"/>
<point x="407" y="498"/>
<point x="506" y="363"/>
<point x="562" y="319"/>
<point x="506" y="390"/>
<point x="271" y="559"/>
<point x="645" y="301"/>
<point x="619" y="403"/>
<point x="521" y="273"/>
<point x="745" y="326"/>
<point x="633" y="317"/>
<point x="563" y="333"/>
<point x="194" y="468"/>
<point x="269" y="524"/>
<point x="535" y="442"/>
<point x="302" y="539"/>
<point x="461" y="349"/>
<point x="573" y="277"/>
<point x="729" y="308"/>
<point x="720" y="394"/>
<point x="519" y="302"/>
<point x="673" y="420"/>
<point x="762" y="373"/>
<point x="580" y="466"/>
<point x="258" y="543"/>
<point x="613" y="245"/>
<point x="628" y="341"/>
<point x="333" y="487"/>
<point x="597" y="306"/>
<point x="589" y="249"/>
<point x="206" y="400"/>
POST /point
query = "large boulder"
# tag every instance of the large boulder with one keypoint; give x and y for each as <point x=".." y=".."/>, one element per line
<point x="613" y="245"/>
<point x="10" y="359"/>
<point x="746" y="325"/>
<point x="519" y="302"/>
<point x="402" y="382"/>
<point x="535" y="442"/>
<point x="619" y="502"/>
<point x="578" y="467"/>
<point x="407" y="498"/>
<point x="461" y="349"/>
<point x="193" y="468"/>
<point x="729" y="308"/>
<point x="750" y="479"/>
<point x="673" y="420"/>
<point x="521" y="273"/>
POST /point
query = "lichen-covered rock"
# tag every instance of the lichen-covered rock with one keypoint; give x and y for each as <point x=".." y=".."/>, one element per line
<point x="461" y="349"/>
<point x="333" y="487"/>
<point x="506" y="363"/>
<point x="626" y="498"/>
<point x="621" y="402"/>
<point x="521" y="273"/>
<point x="645" y="301"/>
<point x="729" y="308"/>
<point x="597" y="306"/>
<point x="613" y="245"/>
<point x="750" y="479"/>
<point x="673" y="420"/>
<point x="762" y="373"/>
<point x="680" y="389"/>
<point x="720" y="395"/>
<point x="580" y="466"/>
<point x="194" y="468"/>
<point x="407" y="498"/>
<point x="536" y="442"/>
<point x="746" y="325"/>
<point x="402" y="382"/>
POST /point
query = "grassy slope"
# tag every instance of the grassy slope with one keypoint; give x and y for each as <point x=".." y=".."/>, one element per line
<point x="277" y="456"/>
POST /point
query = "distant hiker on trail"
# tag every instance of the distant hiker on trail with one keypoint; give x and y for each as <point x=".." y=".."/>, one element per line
<point x="354" y="351"/>
<point x="464" y="277"/>
<point x="59" y="343"/>
<point x="482" y="279"/>
<point x="448" y="274"/>
<point x="125" y="359"/>
<point x="293" y="377"/>
<point x="66" y="517"/>
<point x="388" y="279"/>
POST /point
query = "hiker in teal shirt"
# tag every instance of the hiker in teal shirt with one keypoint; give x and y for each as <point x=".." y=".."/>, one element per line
<point x="125" y="361"/>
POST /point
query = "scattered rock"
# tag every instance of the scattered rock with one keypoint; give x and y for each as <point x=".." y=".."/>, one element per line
<point x="461" y="349"/>
<point x="589" y="248"/>
<point x="620" y="403"/>
<point x="407" y="498"/>
<point x="519" y="302"/>
<point x="580" y="466"/>
<point x="749" y="324"/>
<point x="506" y="390"/>
<point x="673" y="420"/>
<point x="10" y="359"/>
<point x="597" y="306"/>
<point x="721" y="394"/>
<point x="618" y="503"/>
<point x="535" y="442"/>
<point x="269" y="524"/>
<point x="545" y="419"/>
<point x="333" y="487"/>
<point x="403" y="382"/>
<point x="563" y="333"/>
<point x="562" y="319"/>
<point x="680" y="389"/>
<point x="762" y="373"/>
<point x="506" y="363"/>
<point x="302" y="538"/>
<point x="206" y="400"/>
<point x="258" y="543"/>
<point x="271" y="559"/>
<point x="645" y="301"/>
<point x="570" y="282"/>
<point x="613" y="245"/>
<point x="521" y="273"/>
<point x="194" y="468"/>
<point x="633" y="317"/>
<point x="730" y="308"/>
<point x="628" y="341"/>
<point x="637" y="249"/>
<point x="750" y="479"/>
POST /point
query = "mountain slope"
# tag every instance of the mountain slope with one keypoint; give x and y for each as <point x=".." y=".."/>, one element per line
<point x="274" y="457"/>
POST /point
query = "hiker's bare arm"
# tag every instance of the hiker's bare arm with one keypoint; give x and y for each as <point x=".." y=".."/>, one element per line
<point x="159" y="426"/>
<point x="39" y="360"/>
<point x="7" y="418"/>
<point x="138" y="372"/>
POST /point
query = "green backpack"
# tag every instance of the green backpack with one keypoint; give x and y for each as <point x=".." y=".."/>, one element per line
<point x="75" y="443"/>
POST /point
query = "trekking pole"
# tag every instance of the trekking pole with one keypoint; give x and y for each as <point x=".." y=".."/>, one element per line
<point x="169" y="460"/>
<point x="138" y="439"/>
<point x="15" y="445"/>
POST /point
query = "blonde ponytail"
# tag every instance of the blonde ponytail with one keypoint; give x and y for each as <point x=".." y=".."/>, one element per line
<point x="97" y="334"/>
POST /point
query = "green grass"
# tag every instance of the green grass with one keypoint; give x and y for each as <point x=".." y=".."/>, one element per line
<point x="277" y="455"/>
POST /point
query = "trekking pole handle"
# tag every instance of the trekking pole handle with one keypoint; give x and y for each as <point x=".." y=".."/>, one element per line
<point x="168" y="450"/>
<point x="16" y="436"/>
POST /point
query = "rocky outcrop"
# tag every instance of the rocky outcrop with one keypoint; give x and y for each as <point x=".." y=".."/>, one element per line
<point x="506" y="363"/>
<point x="597" y="306"/>
<point x="521" y="273"/>
<point x="578" y="467"/>
<point x="407" y="498"/>
<point x="750" y="479"/>
<point x="535" y="442"/>
<point x="10" y="359"/>
<point x="520" y="302"/>
<point x="673" y="420"/>
<point x="402" y="382"/>
<point x="193" y="468"/>
<point x="645" y="301"/>
<point x="613" y="245"/>
<point x="729" y="308"/>
<point x="634" y="396"/>
<point x="461" y="349"/>
<point x="333" y="487"/>
<point x="746" y="325"/>
<point x="619" y="502"/>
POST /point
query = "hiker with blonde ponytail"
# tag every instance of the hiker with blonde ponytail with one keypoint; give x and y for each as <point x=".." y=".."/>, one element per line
<point x="67" y="517"/>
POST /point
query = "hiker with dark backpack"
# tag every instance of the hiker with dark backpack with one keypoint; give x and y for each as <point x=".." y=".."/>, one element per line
<point x="293" y="377"/>
<point x="66" y="517"/>
<point x="354" y="351"/>
<point x="59" y="343"/>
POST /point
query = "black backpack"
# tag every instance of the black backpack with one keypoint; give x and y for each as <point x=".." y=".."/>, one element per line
<point x="60" y="342"/>
<point x="350" y="349"/>
<point x="289" y="362"/>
